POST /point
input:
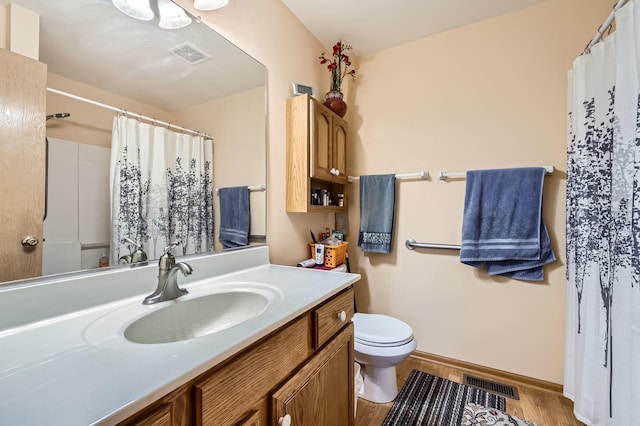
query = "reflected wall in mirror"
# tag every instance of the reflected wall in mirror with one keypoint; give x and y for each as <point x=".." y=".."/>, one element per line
<point x="94" y="51"/>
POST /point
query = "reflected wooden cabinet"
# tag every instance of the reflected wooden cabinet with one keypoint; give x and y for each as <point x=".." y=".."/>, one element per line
<point x="303" y="369"/>
<point x="316" y="156"/>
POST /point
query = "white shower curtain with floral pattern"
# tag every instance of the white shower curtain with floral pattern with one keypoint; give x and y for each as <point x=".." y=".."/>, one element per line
<point x="161" y="189"/>
<point x="602" y="356"/>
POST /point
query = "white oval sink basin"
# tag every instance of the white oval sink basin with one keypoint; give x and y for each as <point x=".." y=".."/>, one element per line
<point x="197" y="317"/>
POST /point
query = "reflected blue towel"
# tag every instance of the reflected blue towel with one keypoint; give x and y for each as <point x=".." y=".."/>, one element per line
<point x="234" y="216"/>
<point x="377" y="206"/>
<point x="502" y="224"/>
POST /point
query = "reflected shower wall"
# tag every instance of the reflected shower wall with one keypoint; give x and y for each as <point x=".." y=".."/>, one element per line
<point x="77" y="227"/>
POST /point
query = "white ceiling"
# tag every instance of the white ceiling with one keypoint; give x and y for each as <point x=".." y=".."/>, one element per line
<point x="374" y="25"/>
<point x="93" y="42"/>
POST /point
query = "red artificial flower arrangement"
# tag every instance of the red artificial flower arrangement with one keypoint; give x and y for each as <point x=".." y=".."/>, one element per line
<point x="339" y="65"/>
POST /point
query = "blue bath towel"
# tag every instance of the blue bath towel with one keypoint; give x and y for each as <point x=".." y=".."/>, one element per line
<point x="502" y="223"/>
<point x="377" y="206"/>
<point x="234" y="216"/>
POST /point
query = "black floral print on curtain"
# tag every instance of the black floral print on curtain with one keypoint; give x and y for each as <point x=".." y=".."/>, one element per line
<point x="603" y="228"/>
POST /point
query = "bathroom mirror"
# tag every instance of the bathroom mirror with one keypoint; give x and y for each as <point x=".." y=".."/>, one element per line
<point x="190" y="77"/>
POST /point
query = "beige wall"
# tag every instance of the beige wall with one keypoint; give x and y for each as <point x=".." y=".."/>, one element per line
<point x="19" y="30"/>
<point x="487" y="95"/>
<point x="89" y="124"/>
<point x="238" y="124"/>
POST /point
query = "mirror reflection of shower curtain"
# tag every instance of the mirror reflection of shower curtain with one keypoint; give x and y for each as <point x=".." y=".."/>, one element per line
<point x="602" y="374"/>
<point x="161" y="189"/>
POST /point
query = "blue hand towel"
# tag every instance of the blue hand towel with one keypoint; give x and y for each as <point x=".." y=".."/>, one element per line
<point x="377" y="206"/>
<point x="502" y="223"/>
<point x="234" y="216"/>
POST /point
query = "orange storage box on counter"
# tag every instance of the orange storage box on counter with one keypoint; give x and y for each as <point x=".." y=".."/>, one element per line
<point x="333" y="255"/>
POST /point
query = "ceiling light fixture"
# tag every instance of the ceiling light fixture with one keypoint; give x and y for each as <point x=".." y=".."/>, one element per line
<point x="138" y="9"/>
<point x="209" y="4"/>
<point x="172" y="16"/>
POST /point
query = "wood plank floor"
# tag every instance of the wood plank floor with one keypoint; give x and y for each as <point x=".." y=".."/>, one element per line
<point x="545" y="407"/>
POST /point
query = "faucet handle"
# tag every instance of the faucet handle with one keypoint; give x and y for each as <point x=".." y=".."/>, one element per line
<point x="167" y="261"/>
<point x="131" y="242"/>
<point x="137" y="254"/>
<point x="167" y="249"/>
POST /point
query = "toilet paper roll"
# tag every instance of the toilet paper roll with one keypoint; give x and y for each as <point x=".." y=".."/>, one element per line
<point x="308" y="263"/>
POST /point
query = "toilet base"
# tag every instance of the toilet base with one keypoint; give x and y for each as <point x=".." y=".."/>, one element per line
<point x="380" y="384"/>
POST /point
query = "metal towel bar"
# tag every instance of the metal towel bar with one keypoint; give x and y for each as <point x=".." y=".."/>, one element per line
<point x="411" y="244"/>
<point x="445" y="175"/>
<point x="254" y="188"/>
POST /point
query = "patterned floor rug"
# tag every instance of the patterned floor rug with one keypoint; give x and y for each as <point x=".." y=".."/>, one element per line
<point x="428" y="400"/>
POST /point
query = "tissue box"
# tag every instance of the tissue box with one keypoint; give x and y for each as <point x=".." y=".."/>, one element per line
<point x="333" y="255"/>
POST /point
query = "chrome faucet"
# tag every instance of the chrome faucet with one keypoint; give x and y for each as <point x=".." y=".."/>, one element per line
<point x="136" y="256"/>
<point x="167" y="280"/>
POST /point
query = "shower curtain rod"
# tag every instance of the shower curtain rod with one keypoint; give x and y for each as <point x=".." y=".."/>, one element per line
<point x="604" y="27"/>
<point x="131" y="114"/>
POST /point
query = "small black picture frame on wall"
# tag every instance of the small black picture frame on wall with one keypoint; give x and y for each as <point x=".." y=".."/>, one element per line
<point x="301" y="89"/>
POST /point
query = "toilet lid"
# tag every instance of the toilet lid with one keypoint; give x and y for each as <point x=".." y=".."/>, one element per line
<point x="381" y="330"/>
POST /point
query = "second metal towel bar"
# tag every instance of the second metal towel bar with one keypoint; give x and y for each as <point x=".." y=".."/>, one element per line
<point x="411" y="244"/>
<point x="445" y="175"/>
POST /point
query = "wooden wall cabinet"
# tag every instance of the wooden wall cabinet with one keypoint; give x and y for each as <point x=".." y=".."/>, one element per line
<point x="304" y="370"/>
<point x="316" y="155"/>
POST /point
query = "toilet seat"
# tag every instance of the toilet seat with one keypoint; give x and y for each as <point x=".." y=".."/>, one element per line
<point x="381" y="330"/>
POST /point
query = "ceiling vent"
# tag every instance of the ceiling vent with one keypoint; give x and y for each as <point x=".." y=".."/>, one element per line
<point x="189" y="53"/>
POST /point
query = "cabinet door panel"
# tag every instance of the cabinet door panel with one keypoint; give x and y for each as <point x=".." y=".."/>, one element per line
<point x="339" y="157"/>
<point x="231" y="392"/>
<point x="252" y="419"/>
<point x="321" y="141"/>
<point x="161" y="416"/>
<point x="321" y="393"/>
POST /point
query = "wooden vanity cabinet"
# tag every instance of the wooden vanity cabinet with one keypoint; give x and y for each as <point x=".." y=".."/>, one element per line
<point x="321" y="393"/>
<point x="304" y="369"/>
<point x="316" y="155"/>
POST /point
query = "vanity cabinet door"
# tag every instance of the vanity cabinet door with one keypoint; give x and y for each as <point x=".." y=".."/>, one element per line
<point x="321" y="393"/>
<point x="175" y="409"/>
<point x="234" y="392"/>
<point x="252" y="419"/>
<point x="161" y="416"/>
<point x="22" y="155"/>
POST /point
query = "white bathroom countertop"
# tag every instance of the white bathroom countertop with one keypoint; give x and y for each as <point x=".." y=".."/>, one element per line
<point x="77" y="368"/>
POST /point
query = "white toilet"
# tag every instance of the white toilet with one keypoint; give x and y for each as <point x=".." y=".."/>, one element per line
<point x="381" y="343"/>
